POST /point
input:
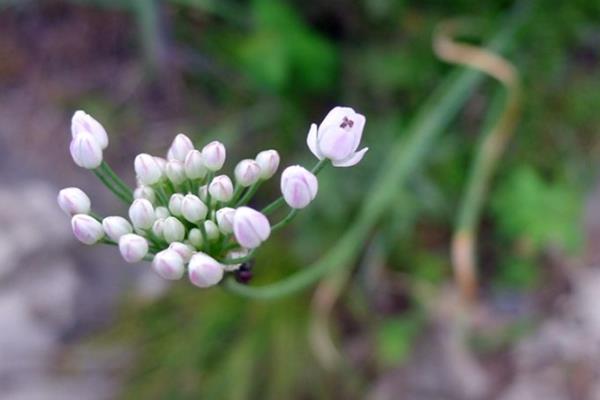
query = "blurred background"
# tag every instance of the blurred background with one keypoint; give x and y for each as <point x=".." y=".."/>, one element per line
<point x="388" y="323"/>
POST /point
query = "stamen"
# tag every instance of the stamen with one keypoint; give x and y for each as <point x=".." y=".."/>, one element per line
<point x="347" y="123"/>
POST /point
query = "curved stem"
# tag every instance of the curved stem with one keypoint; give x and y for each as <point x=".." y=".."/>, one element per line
<point x="112" y="175"/>
<point x="291" y="215"/>
<point x="248" y="195"/>
<point x="110" y="186"/>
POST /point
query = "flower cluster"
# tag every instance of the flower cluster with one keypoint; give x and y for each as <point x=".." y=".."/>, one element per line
<point x="184" y="215"/>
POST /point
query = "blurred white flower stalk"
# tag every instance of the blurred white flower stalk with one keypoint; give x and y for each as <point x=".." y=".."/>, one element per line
<point x="185" y="215"/>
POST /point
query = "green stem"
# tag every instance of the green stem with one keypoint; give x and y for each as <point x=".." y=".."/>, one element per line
<point x="112" y="175"/>
<point x="162" y="196"/>
<point x="405" y="156"/>
<point x="291" y="215"/>
<point x="110" y="186"/>
<point x="248" y="195"/>
<point x="97" y="217"/>
<point x="209" y="179"/>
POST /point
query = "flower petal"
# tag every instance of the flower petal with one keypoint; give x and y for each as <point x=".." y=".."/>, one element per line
<point x="311" y="141"/>
<point x="355" y="159"/>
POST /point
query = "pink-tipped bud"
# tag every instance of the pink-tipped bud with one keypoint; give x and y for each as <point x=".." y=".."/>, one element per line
<point x="157" y="227"/>
<point x="74" y="201"/>
<point x="186" y="251"/>
<point x="232" y="255"/>
<point x="175" y="172"/>
<point x="250" y="227"/>
<point x="144" y="192"/>
<point x="225" y="219"/>
<point x="212" y="230"/>
<point x="193" y="209"/>
<point x="141" y="214"/>
<point x="194" y="166"/>
<point x="162" y="212"/>
<point x="175" y="203"/>
<point x="147" y="170"/>
<point x="115" y="227"/>
<point x="83" y="122"/>
<point x="195" y="237"/>
<point x="204" y="271"/>
<point x="133" y="247"/>
<point x="298" y="186"/>
<point x="173" y="230"/>
<point x="85" y="151"/>
<point x="213" y="155"/>
<point x="268" y="161"/>
<point x="221" y="188"/>
<point x="180" y="148"/>
<point x="86" y="229"/>
<point x="169" y="264"/>
<point x="247" y="172"/>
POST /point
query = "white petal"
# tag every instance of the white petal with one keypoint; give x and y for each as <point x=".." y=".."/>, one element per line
<point x="355" y="159"/>
<point x="311" y="141"/>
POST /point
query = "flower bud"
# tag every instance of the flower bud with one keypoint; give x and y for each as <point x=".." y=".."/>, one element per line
<point x="268" y="161"/>
<point x="173" y="230"/>
<point x="194" y="166"/>
<point x="83" y="122"/>
<point x="175" y="172"/>
<point x="141" y="214"/>
<point x="232" y="255"/>
<point x="86" y="229"/>
<point x="144" y="192"/>
<point x="213" y="155"/>
<point x="247" y="172"/>
<point x="204" y="271"/>
<point x="225" y="219"/>
<point x="161" y="212"/>
<point x="115" y="227"/>
<point x="298" y="186"/>
<point x="169" y="264"/>
<point x="162" y="164"/>
<point x="180" y="148"/>
<point x="157" y="227"/>
<point x="184" y="250"/>
<point x="212" y="231"/>
<point x="73" y="201"/>
<point x="133" y="247"/>
<point x="195" y="237"/>
<point x="175" y="203"/>
<point x="221" y="188"/>
<point x="203" y="193"/>
<point x="250" y="227"/>
<point x="147" y="169"/>
<point x="85" y="151"/>
<point x="193" y="209"/>
<point x="338" y="137"/>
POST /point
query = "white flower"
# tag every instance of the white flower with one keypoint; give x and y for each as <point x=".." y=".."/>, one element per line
<point x="173" y="230"/>
<point x="147" y="169"/>
<point x="144" y="192"/>
<point x="247" y="172"/>
<point x="141" y="214"/>
<point x="85" y="151"/>
<point x="195" y="237"/>
<point x="338" y="137"/>
<point x="115" y="227"/>
<point x="186" y="251"/>
<point x="221" y="188"/>
<point x="233" y="255"/>
<point x="193" y="209"/>
<point x="73" y="201"/>
<point x="224" y="218"/>
<point x="133" y="247"/>
<point x="298" y="186"/>
<point x="203" y="192"/>
<point x="169" y="264"/>
<point x="268" y="161"/>
<point x="180" y="148"/>
<point x="213" y="155"/>
<point x="175" y="172"/>
<point x="161" y="212"/>
<point x="204" y="271"/>
<point x="83" y="122"/>
<point x="250" y="227"/>
<point x="175" y="203"/>
<point x="212" y="231"/>
<point x="194" y="166"/>
<point x="86" y="229"/>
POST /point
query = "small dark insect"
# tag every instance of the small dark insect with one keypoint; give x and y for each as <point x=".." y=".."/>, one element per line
<point x="244" y="273"/>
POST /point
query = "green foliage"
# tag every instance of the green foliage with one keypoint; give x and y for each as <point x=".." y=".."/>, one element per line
<point x="395" y="337"/>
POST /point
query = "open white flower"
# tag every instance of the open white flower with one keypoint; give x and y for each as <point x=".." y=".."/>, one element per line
<point x="338" y="137"/>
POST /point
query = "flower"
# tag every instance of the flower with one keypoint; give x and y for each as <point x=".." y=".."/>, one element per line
<point x="247" y="172"/>
<point x="115" y="227"/>
<point x="175" y="203"/>
<point x="85" y="151"/>
<point x="204" y="271"/>
<point x="195" y="237"/>
<point x="141" y="214"/>
<point x="173" y="230"/>
<point x="144" y="192"/>
<point x="161" y="212"/>
<point x="175" y="172"/>
<point x="338" y="137"/>
<point x="235" y="254"/>
<point x="193" y="209"/>
<point x="221" y="188"/>
<point x="169" y="264"/>
<point x="83" y="122"/>
<point x="147" y="169"/>
<point x="212" y="231"/>
<point x="180" y="148"/>
<point x="133" y="247"/>
<point x="268" y="161"/>
<point x="184" y="250"/>
<point x="298" y="186"/>
<point x="213" y="155"/>
<point x="194" y="166"/>
<point x="250" y="227"/>
<point x="86" y="229"/>
<point x="73" y="201"/>
<point x="224" y="218"/>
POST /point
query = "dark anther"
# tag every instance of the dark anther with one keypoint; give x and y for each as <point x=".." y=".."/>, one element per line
<point x="347" y="123"/>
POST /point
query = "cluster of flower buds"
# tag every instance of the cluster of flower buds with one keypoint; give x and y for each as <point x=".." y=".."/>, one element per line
<point x="186" y="216"/>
